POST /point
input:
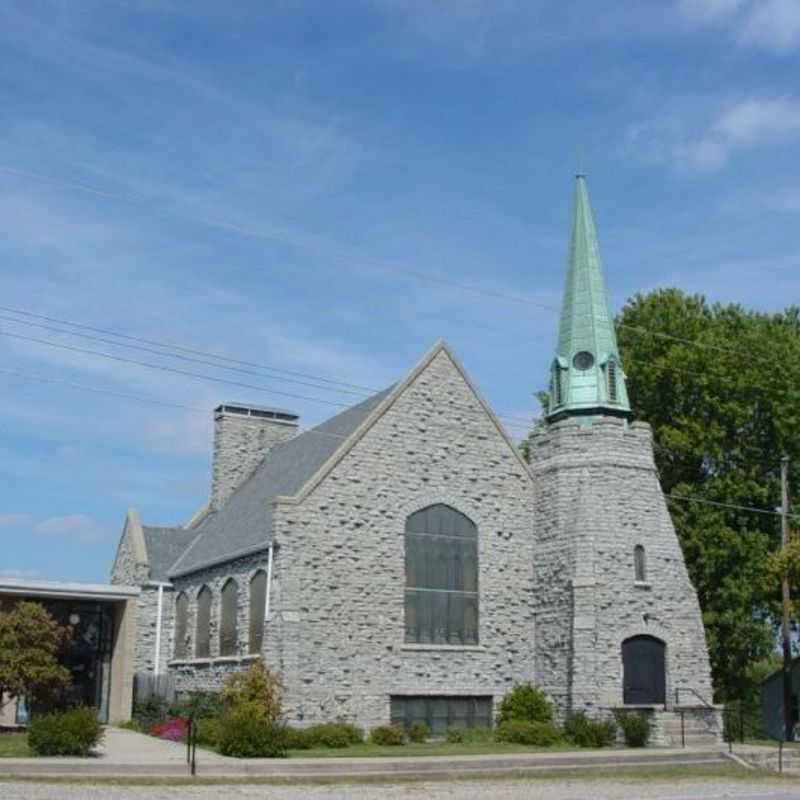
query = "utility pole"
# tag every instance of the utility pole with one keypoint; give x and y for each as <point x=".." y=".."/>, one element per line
<point x="787" y="630"/>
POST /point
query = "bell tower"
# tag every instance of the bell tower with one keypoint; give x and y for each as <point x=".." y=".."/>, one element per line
<point x="618" y="623"/>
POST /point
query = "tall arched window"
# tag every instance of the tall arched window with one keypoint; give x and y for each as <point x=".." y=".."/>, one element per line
<point x="228" y="633"/>
<point x="639" y="563"/>
<point x="181" y="649"/>
<point x="202" y="646"/>
<point x="441" y="597"/>
<point x="258" y="602"/>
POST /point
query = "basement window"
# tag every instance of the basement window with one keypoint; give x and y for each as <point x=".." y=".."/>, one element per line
<point x="442" y="712"/>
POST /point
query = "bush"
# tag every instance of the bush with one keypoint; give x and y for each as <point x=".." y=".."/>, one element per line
<point x="149" y="712"/>
<point x="419" y="732"/>
<point x="586" y="732"/>
<point x="298" y="739"/>
<point x="525" y="702"/>
<point x="536" y="734"/>
<point x="247" y="734"/>
<point x="388" y="735"/>
<point x="635" y="728"/>
<point x="173" y="730"/>
<point x="65" y="733"/>
<point x="208" y="731"/>
<point x="199" y="705"/>
<point x="329" y="735"/>
<point x="257" y="690"/>
<point x="454" y="735"/>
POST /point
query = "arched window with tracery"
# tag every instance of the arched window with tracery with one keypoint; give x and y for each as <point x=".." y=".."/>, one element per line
<point x="181" y="648"/>
<point x="228" y="628"/>
<point x="258" y="604"/>
<point x="202" y="646"/>
<point x="441" y="595"/>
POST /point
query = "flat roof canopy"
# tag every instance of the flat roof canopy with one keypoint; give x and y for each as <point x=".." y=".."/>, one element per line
<point x="57" y="589"/>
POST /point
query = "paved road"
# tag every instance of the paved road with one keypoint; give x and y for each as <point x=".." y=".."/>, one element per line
<point x="715" y="789"/>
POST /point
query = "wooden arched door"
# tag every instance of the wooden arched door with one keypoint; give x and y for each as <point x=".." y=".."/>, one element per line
<point x="643" y="663"/>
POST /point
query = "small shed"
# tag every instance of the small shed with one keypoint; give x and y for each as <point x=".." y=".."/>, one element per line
<point x="772" y="701"/>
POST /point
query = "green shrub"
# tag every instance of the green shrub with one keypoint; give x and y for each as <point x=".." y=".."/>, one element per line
<point x="419" y="732"/>
<point x="245" y="733"/>
<point x="478" y="734"/>
<point x="199" y="705"/>
<point x="65" y="733"/>
<point x="298" y="739"/>
<point x="208" y="731"/>
<point x="257" y="689"/>
<point x="585" y="732"/>
<point x="388" y="735"/>
<point x="150" y="712"/>
<point x="635" y="728"/>
<point x="525" y="702"/>
<point x="535" y="734"/>
<point x="455" y="735"/>
<point x="328" y="735"/>
<point x="355" y="735"/>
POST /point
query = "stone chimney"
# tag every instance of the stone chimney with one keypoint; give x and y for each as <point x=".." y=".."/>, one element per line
<point x="243" y="435"/>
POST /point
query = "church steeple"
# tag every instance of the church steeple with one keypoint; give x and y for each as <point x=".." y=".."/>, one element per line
<point x="586" y="374"/>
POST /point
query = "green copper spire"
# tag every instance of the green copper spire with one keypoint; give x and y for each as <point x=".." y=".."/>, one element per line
<point x="586" y="375"/>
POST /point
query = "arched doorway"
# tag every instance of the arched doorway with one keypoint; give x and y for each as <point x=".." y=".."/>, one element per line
<point x="643" y="662"/>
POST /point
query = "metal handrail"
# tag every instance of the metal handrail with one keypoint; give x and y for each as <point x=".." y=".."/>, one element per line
<point x="731" y="738"/>
<point x="679" y="689"/>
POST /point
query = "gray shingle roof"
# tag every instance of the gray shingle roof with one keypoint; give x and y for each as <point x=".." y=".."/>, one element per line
<point x="164" y="547"/>
<point x="244" y="523"/>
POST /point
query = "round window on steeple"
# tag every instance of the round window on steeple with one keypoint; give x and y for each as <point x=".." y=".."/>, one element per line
<point x="583" y="360"/>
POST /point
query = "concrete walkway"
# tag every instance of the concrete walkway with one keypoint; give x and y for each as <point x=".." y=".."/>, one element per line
<point x="129" y="754"/>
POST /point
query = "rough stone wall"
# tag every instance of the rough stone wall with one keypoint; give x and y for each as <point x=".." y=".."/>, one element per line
<point x="126" y="570"/>
<point x="339" y="604"/>
<point x="208" y="674"/>
<point x="240" y="444"/>
<point x="597" y="497"/>
<point x="146" y="634"/>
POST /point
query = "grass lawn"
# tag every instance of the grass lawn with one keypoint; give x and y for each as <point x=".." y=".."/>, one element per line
<point x="432" y="749"/>
<point x="14" y="745"/>
<point x="670" y="775"/>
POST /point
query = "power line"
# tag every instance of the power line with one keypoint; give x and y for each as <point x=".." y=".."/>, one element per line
<point x="181" y="348"/>
<point x="417" y="274"/>
<point x="180" y="356"/>
<point x="512" y="422"/>
<point x="734" y="506"/>
<point x="314" y="431"/>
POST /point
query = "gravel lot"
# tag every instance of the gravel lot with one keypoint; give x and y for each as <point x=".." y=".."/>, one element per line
<point x="496" y="790"/>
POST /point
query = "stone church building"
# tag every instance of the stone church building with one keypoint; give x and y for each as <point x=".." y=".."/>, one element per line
<point x="402" y="562"/>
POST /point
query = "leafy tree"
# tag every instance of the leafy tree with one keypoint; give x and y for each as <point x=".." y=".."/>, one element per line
<point x="29" y="642"/>
<point x="721" y="387"/>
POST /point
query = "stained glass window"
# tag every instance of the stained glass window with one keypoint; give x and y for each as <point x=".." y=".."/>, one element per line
<point x="181" y="625"/>
<point x="258" y="602"/>
<point x="441" y="596"/>
<point x="228" y="633"/>
<point x="202" y="648"/>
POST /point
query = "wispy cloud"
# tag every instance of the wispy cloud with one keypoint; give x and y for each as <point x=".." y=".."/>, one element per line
<point x="748" y="124"/>
<point x="769" y="24"/>
<point x="74" y="527"/>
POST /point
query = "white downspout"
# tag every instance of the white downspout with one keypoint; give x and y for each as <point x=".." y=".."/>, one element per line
<point x="157" y="657"/>
<point x="269" y="582"/>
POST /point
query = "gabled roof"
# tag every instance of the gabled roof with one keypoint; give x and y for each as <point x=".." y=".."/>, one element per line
<point x="244" y="524"/>
<point x="293" y="469"/>
<point x="164" y="548"/>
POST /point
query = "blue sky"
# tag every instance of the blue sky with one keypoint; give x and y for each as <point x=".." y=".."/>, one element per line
<point x="281" y="182"/>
